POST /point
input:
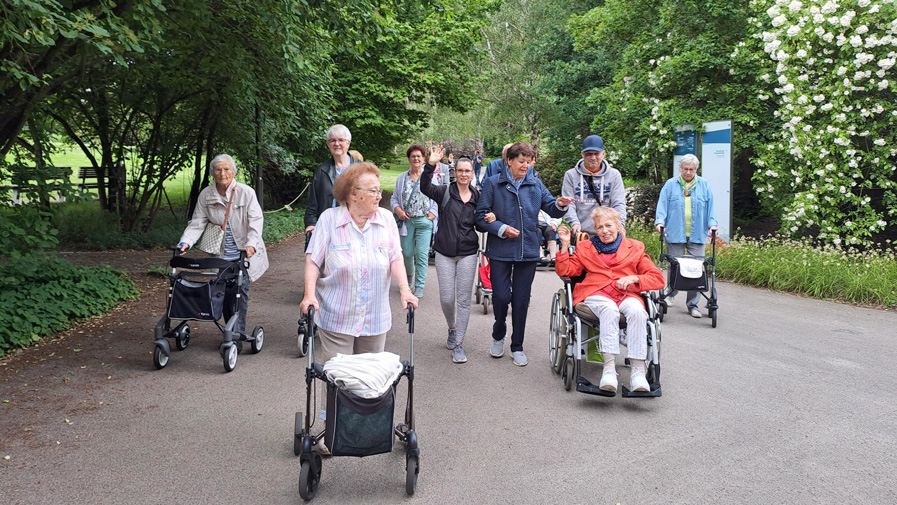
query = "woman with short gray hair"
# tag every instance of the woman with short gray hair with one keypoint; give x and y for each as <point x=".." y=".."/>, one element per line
<point x="320" y="195"/>
<point x="685" y="208"/>
<point x="234" y="205"/>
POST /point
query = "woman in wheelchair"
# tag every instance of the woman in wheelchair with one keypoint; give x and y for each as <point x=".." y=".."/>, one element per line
<point x="616" y="270"/>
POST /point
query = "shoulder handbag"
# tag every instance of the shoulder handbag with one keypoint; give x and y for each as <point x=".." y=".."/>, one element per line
<point x="212" y="239"/>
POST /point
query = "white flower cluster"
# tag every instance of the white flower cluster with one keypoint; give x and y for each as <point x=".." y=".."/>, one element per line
<point x="833" y="61"/>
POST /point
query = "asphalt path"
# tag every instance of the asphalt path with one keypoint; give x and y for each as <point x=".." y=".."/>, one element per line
<point x="788" y="400"/>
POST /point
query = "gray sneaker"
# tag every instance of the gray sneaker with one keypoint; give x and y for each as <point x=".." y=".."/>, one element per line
<point x="498" y="348"/>
<point x="451" y="342"/>
<point x="519" y="358"/>
<point x="458" y="355"/>
<point x="419" y="292"/>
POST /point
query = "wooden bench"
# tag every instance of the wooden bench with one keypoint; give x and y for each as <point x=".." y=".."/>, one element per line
<point x="29" y="178"/>
<point x="85" y="173"/>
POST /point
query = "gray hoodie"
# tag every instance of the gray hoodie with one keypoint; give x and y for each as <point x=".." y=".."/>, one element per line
<point x="609" y="191"/>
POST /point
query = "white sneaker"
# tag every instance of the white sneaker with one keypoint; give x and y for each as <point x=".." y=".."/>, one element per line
<point x="498" y="348"/>
<point x="695" y="312"/>
<point x="638" y="382"/>
<point x="608" y="381"/>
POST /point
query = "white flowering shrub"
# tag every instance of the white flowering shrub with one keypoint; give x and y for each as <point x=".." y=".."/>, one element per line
<point x="831" y="70"/>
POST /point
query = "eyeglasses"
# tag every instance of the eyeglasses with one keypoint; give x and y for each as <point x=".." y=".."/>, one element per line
<point x="337" y="141"/>
<point x="378" y="191"/>
<point x="692" y="169"/>
<point x="463" y="171"/>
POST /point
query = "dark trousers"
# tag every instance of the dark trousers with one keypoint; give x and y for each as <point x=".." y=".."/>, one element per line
<point x="512" y="282"/>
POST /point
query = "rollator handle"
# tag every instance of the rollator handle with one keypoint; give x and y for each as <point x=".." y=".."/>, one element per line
<point x="410" y="318"/>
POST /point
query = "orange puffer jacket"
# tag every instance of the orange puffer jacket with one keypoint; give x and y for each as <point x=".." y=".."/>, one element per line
<point x="631" y="259"/>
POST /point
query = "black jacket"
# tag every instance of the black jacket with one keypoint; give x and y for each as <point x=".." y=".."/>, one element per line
<point x="320" y="196"/>
<point x="455" y="233"/>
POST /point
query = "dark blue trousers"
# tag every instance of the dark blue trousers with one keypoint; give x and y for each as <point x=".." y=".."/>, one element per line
<point x="512" y="282"/>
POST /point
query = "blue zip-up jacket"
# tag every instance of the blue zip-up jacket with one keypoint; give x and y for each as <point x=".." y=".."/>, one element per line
<point x="671" y="211"/>
<point x="517" y="208"/>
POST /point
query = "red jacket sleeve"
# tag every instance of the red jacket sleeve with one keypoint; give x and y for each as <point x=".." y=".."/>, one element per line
<point x="566" y="265"/>
<point x="650" y="277"/>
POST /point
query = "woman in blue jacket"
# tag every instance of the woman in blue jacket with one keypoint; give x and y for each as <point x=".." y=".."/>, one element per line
<point x="513" y="245"/>
<point x="685" y="208"/>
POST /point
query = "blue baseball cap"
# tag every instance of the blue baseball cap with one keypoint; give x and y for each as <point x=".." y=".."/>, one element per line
<point x="593" y="143"/>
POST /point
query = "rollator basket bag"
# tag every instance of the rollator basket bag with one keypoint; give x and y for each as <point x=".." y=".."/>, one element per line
<point x="687" y="277"/>
<point x="359" y="426"/>
<point x="198" y="301"/>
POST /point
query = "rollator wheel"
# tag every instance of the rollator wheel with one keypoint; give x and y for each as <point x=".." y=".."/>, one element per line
<point x="569" y="373"/>
<point x="713" y="318"/>
<point x="661" y="312"/>
<point x="229" y="354"/>
<point x="298" y="434"/>
<point x="485" y="305"/>
<point x="302" y="343"/>
<point x="182" y="337"/>
<point x="412" y="468"/>
<point x="159" y="358"/>
<point x="258" y="339"/>
<point x="308" y="483"/>
<point x="478" y="296"/>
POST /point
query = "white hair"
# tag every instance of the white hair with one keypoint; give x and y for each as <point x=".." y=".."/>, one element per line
<point x="690" y="159"/>
<point x="338" y="129"/>
<point x="224" y="158"/>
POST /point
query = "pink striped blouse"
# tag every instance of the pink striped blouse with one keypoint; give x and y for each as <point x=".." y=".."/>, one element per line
<point x="353" y="288"/>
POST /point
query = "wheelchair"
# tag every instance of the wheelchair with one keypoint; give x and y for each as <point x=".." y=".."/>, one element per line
<point x="573" y="342"/>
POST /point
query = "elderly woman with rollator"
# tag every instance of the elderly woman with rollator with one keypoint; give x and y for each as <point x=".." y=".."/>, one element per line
<point x="233" y="205"/>
<point x="617" y="270"/>
<point x="513" y="245"/>
<point x="685" y="208"/>
<point x="456" y="245"/>
<point x="353" y="252"/>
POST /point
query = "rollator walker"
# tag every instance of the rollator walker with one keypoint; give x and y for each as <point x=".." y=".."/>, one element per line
<point x="355" y="426"/>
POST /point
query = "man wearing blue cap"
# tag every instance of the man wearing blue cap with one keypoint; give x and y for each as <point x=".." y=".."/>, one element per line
<point x="593" y="183"/>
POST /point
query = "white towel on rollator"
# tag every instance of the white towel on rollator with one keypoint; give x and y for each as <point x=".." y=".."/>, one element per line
<point x="367" y="375"/>
<point x="692" y="268"/>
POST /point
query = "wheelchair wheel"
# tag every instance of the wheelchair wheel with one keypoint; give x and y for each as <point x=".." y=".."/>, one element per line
<point x="554" y="333"/>
<point x="569" y="373"/>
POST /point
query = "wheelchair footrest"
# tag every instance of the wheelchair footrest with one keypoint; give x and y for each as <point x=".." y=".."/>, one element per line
<point x="654" y="393"/>
<point x="584" y="386"/>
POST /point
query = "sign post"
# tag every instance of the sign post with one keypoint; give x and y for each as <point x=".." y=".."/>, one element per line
<point x="716" y="167"/>
<point x="686" y="143"/>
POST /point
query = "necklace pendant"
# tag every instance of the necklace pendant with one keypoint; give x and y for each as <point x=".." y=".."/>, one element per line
<point x="686" y="192"/>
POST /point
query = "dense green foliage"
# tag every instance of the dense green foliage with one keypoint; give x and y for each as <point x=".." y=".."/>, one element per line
<point x="259" y="79"/>
<point x="42" y="295"/>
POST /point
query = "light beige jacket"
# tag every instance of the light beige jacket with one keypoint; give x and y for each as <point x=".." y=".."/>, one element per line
<point x="246" y="221"/>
